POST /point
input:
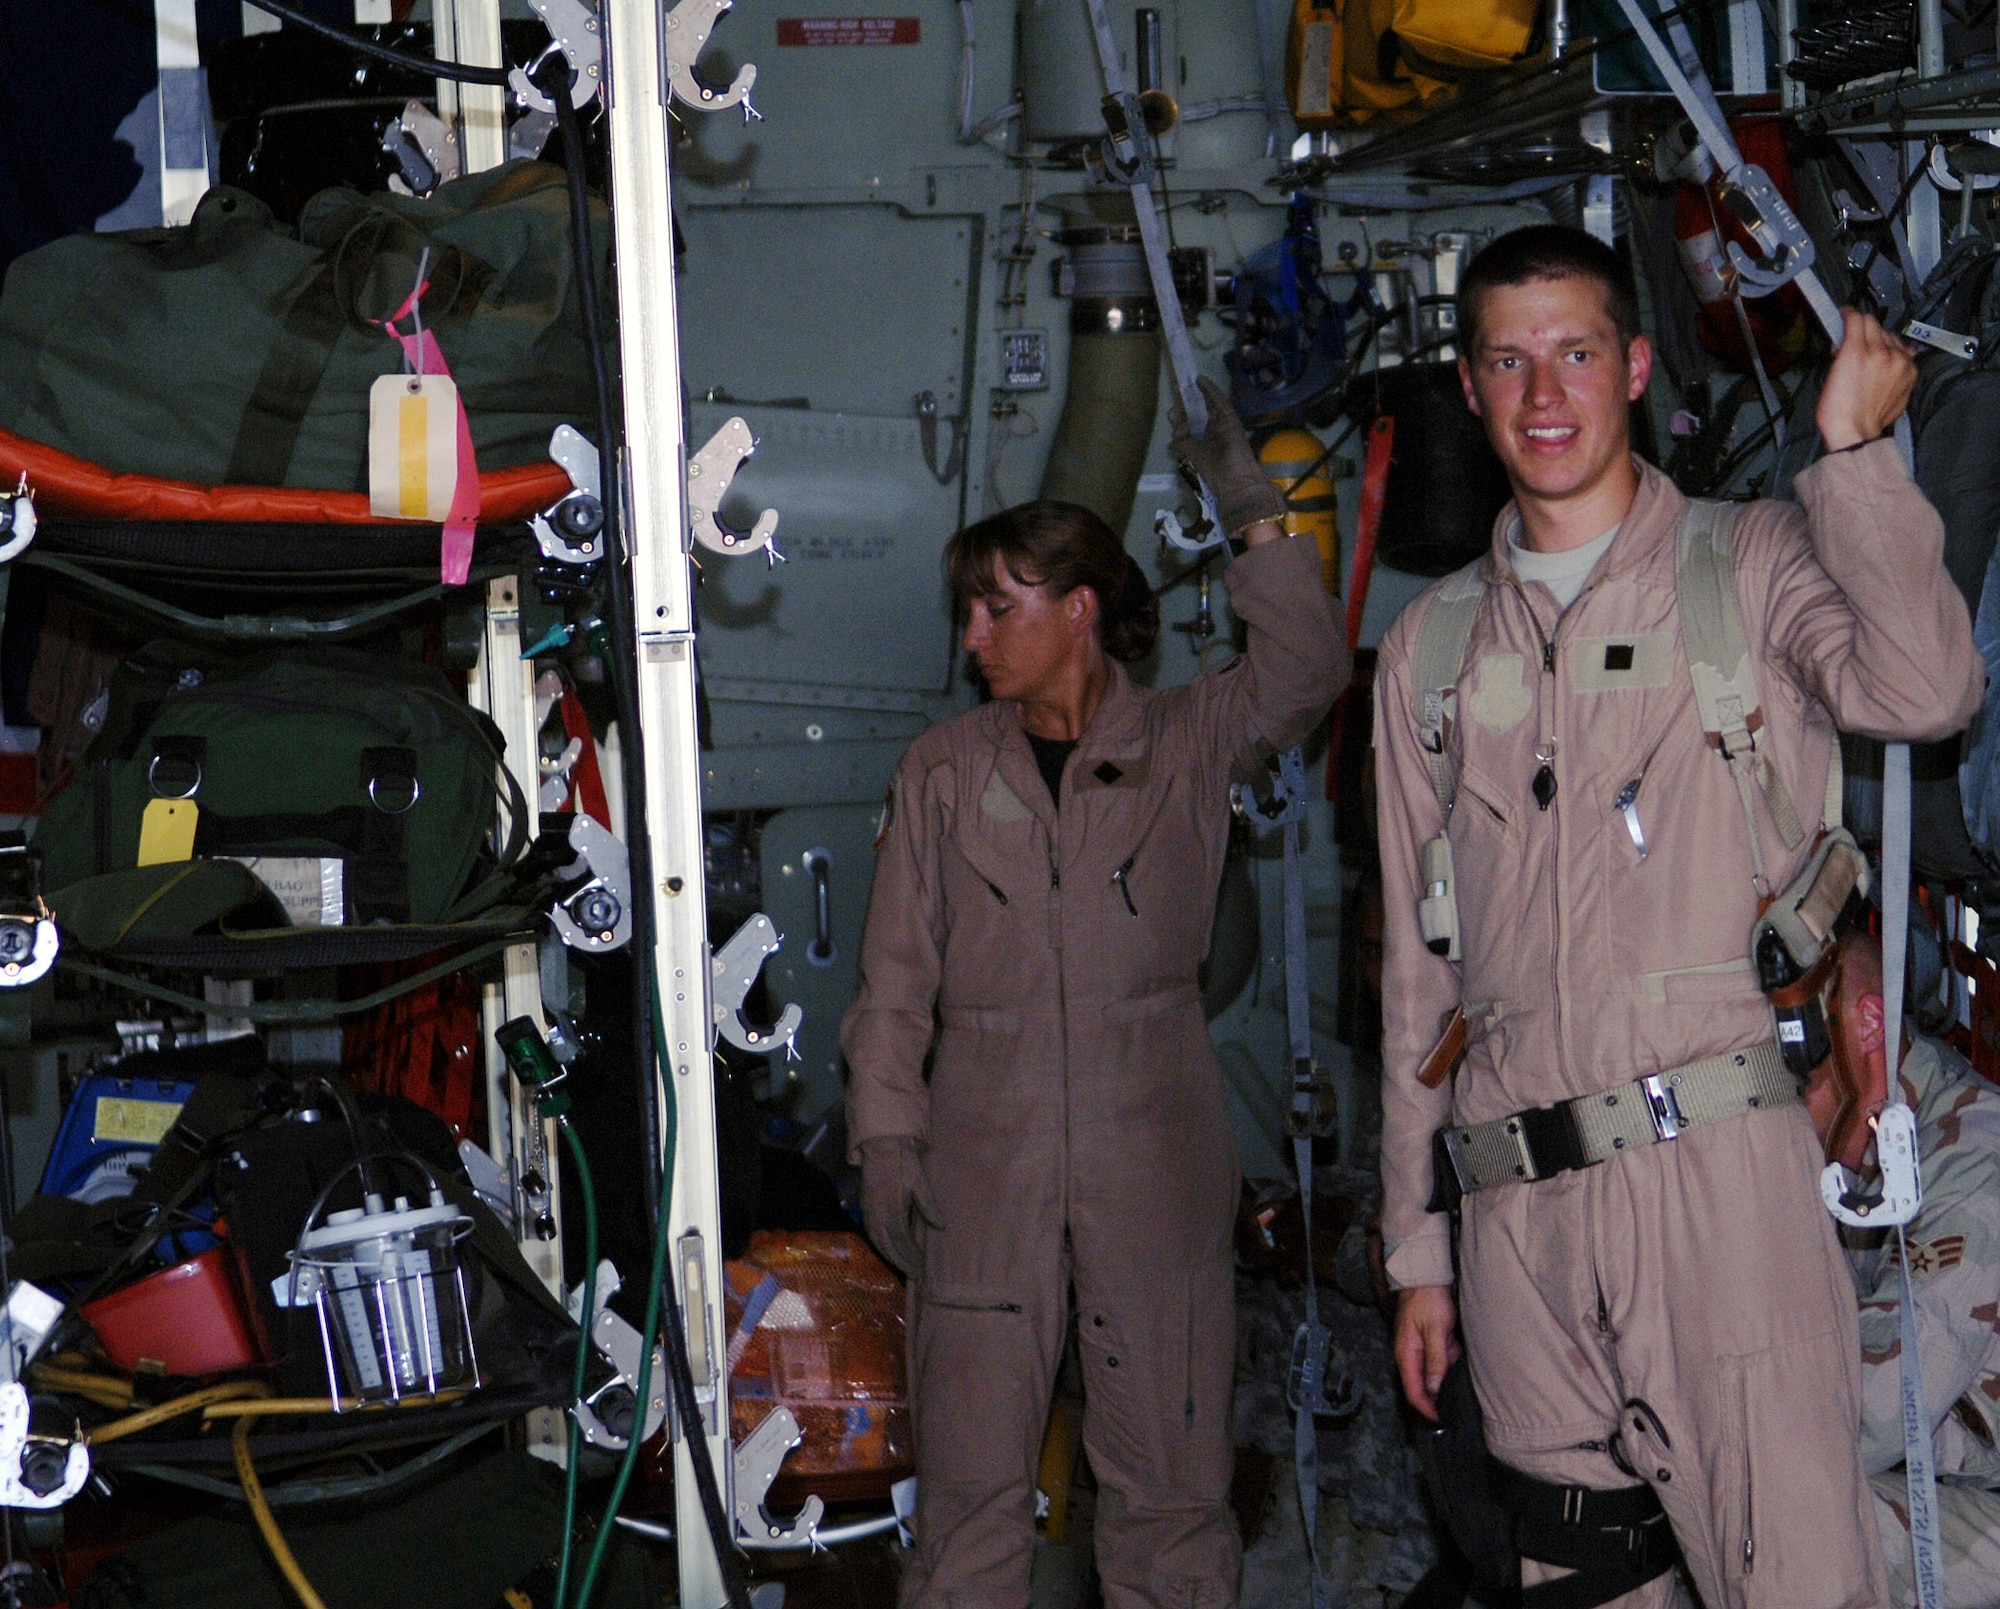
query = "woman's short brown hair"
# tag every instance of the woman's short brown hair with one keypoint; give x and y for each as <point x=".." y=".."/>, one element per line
<point x="1061" y="546"/>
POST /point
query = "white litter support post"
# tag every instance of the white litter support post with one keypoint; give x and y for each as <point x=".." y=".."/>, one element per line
<point x="657" y="531"/>
<point x="183" y="108"/>
<point x="502" y="684"/>
<point x="468" y="32"/>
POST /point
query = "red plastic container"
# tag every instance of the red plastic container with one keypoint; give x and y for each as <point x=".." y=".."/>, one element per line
<point x="190" y="1319"/>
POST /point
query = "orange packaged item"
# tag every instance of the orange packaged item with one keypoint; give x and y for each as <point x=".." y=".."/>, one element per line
<point x="67" y="487"/>
<point x="816" y="1325"/>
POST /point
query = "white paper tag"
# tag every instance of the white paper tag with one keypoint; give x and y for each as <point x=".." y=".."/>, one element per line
<point x="311" y="889"/>
<point x="412" y="447"/>
<point x="1315" y="86"/>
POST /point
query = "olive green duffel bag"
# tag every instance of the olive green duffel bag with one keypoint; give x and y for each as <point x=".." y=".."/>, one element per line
<point x="361" y="790"/>
<point x="237" y="350"/>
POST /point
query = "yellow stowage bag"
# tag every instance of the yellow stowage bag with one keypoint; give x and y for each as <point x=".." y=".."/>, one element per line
<point x="1451" y="37"/>
<point x="1375" y="79"/>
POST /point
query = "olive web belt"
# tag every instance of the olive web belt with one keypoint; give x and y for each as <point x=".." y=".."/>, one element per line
<point x="1590" y="1129"/>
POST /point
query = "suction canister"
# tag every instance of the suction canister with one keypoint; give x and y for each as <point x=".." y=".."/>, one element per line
<point x="389" y="1291"/>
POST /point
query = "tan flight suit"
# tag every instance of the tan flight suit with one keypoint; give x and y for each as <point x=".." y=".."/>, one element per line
<point x="1688" y="1298"/>
<point x="1074" y="1114"/>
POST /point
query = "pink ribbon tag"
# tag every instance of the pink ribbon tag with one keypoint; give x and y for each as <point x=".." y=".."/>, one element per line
<point x="427" y="357"/>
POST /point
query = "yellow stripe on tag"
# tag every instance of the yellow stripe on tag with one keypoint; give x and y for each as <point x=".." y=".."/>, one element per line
<point x="413" y="455"/>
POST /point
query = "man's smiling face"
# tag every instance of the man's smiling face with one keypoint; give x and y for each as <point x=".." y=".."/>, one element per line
<point x="1552" y="379"/>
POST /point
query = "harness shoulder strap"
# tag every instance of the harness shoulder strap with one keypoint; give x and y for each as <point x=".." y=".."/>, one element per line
<point x="1725" y="689"/>
<point x="1724" y="675"/>
<point x="1436" y="663"/>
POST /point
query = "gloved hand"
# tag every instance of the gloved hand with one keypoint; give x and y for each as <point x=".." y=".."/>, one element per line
<point x="1227" y="464"/>
<point x="894" y="1193"/>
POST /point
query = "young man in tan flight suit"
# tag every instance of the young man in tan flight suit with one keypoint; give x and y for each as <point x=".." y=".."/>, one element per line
<point x="1677" y="1313"/>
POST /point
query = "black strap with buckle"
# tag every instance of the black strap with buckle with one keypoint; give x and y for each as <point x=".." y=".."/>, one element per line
<point x="1615" y="1541"/>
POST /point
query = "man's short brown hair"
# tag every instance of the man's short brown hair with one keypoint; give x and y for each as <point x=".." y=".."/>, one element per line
<point x="1547" y="251"/>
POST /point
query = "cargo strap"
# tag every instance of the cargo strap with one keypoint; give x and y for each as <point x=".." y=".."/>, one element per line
<point x="1613" y="1541"/>
<point x="1307" y="1386"/>
<point x="1920" y="1473"/>
<point x="288" y="384"/>
<point x="1590" y="1129"/>
<point x="1129" y="157"/>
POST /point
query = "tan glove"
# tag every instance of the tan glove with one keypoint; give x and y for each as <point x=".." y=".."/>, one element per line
<point x="1223" y="458"/>
<point x="894" y="1195"/>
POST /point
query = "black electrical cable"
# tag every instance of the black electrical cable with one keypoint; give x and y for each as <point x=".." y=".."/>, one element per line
<point x="624" y="689"/>
<point x="457" y="72"/>
<point x="620" y="663"/>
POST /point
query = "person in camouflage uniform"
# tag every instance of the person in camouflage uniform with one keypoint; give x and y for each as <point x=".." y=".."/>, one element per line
<point x="1955" y="1277"/>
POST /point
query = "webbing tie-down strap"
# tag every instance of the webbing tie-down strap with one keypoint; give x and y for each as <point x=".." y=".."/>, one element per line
<point x="1926" y="1538"/>
<point x="1306" y="1384"/>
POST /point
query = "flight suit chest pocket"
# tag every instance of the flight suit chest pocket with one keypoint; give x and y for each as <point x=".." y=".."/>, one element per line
<point x="1632" y="662"/>
<point x="1000" y="839"/>
<point x="1481" y="805"/>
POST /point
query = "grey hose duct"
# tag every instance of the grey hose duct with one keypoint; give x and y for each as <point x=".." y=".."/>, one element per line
<point x="1113" y="389"/>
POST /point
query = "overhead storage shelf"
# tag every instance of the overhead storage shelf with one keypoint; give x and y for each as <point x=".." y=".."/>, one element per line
<point x="1517" y="125"/>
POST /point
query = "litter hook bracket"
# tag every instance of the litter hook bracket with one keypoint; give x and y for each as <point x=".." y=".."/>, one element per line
<point x="1901" y="1196"/>
<point x="571" y="530"/>
<point x="688" y="26"/>
<point x="733" y="970"/>
<point x="709" y="474"/>
<point x="574" y="29"/>
<point x="757" y="1463"/>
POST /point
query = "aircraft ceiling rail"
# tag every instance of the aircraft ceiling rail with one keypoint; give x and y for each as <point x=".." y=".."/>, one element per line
<point x="1910" y="106"/>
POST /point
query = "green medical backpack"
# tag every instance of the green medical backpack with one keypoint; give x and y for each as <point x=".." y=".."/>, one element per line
<point x="371" y="780"/>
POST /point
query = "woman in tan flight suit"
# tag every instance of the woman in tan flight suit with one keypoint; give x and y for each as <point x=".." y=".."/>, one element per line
<point x="1045" y="880"/>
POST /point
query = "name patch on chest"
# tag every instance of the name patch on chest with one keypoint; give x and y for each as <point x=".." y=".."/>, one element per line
<point x="1618" y="664"/>
<point x="1501" y="699"/>
<point x="1000" y="802"/>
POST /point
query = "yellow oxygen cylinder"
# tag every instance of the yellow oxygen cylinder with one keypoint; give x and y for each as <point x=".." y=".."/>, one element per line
<point x="1287" y="456"/>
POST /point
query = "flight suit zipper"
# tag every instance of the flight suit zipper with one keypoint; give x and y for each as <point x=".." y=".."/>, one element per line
<point x="1547" y="790"/>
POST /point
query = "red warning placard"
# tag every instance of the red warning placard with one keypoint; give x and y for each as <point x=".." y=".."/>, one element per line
<point x="850" y="31"/>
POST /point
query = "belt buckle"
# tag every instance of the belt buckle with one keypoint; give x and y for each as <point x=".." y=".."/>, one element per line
<point x="1453" y="1142"/>
<point x="1662" y="1108"/>
<point x="1457" y="1144"/>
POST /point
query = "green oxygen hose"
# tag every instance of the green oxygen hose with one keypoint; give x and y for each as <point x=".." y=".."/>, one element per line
<point x="589" y="1190"/>
<point x="669" y="1136"/>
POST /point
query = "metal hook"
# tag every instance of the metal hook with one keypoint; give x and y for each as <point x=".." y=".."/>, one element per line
<point x="688" y="26"/>
<point x="709" y="473"/>
<point x="734" y="969"/>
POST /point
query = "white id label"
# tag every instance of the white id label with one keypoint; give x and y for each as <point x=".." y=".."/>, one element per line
<point x="412" y="447"/>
